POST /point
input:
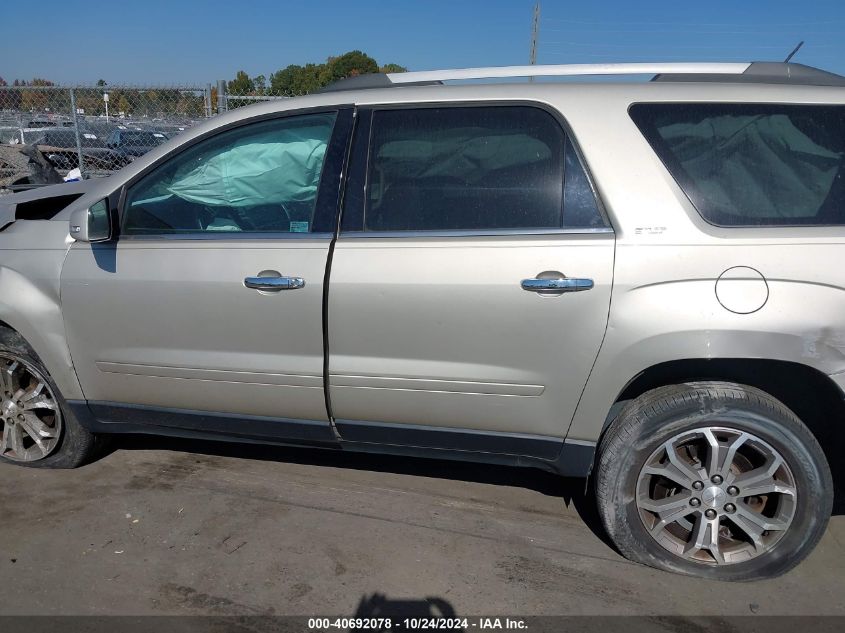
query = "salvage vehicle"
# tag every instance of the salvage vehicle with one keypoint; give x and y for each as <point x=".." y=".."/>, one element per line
<point x="634" y="282"/>
<point x="60" y="148"/>
<point x="130" y="144"/>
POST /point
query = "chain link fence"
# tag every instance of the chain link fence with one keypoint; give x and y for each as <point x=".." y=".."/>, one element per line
<point x="47" y="133"/>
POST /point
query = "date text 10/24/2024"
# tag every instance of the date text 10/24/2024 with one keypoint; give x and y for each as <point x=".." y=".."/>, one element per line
<point x="416" y="624"/>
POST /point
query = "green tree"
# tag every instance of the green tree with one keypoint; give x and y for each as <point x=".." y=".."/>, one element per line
<point x="349" y="65"/>
<point x="282" y="80"/>
<point x="241" y="84"/>
<point x="297" y="80"/>
<point x="37" y="100"/>
<point x="123" y="105"/>
<point x="260" y="84"/>
<point x="101" y="83"/>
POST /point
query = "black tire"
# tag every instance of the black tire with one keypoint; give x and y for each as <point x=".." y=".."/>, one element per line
<point x="657" y="416"/>
<point x="76" y="445"/>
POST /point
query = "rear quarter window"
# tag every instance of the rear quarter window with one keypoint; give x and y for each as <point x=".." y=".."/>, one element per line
<point x="753" y="164"/>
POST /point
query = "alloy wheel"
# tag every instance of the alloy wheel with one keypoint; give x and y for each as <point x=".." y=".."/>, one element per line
<point x="30" y="417"/>
<point x="716" y="496"/>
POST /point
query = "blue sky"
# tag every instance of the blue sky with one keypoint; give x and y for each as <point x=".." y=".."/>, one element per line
<point x="198" y="41"/>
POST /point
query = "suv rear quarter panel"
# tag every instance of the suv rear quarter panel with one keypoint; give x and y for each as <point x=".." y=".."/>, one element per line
<point x="664" y="304"/>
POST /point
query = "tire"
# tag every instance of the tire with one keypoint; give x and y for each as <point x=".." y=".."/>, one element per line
<point x="72" y="445"/>
<point x="635" y="478"/>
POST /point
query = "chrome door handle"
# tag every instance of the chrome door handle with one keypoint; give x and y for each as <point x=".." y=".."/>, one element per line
<point x="565" y="284"/>
<point x="274" y="283"/>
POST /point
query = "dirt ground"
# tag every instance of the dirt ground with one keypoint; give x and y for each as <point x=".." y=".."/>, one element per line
<point x="162" y="526"/>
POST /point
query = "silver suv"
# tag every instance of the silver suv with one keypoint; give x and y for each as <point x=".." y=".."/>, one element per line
<point x="634" y="281"/>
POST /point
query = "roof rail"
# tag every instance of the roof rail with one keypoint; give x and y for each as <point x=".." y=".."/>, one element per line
<point x="742" y="72"/>
<point x="568" y="70"/>
<point x="370" y="80"/>
<point x="765" y="72"/>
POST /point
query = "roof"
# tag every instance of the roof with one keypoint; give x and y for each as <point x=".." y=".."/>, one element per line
<point x="745" y="72"/>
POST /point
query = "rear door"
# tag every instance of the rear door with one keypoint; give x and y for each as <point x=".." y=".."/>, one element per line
<point x="470" y="284"/>
<point x="210" y="299"/>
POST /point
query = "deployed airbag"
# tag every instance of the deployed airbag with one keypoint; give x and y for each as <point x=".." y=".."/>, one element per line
<point x="275" y="167"/>
<point x="763" y="165"/>
<point x="468" y="157"/>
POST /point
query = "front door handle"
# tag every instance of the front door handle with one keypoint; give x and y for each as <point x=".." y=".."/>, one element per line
<point x="274" y="283"/>
<point x="557" y="286"/>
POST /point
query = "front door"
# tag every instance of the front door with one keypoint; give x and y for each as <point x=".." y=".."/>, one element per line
<point x="471" y="283"/>
<point x="210" y="300"/>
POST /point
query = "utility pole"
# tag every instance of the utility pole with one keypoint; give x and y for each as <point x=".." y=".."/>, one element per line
<point x="535" y="31"/>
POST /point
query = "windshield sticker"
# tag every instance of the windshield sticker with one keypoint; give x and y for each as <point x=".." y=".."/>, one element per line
<point x="299" y="227"/>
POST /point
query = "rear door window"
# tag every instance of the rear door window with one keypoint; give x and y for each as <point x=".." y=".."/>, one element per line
<point x="753" y="164"/>
<point x="474" y="168"/>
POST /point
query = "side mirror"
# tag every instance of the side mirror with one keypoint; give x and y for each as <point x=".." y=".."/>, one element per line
<point x="92" y="224"/>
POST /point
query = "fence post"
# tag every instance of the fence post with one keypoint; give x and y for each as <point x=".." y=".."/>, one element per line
<point x="208" y="106"/>
<point x="222" y="105"/>
<point x="76" y="133"/>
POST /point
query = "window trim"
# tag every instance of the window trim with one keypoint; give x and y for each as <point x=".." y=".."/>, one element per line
<point x="357" y="161"/>
<point x="601" y="230"/>
<point x="335" y="154"/>
<point x="654" y="142"/>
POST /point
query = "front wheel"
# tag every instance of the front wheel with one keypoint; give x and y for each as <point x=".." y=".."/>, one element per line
<point x="715" y="480"/>
<point x="36" y="427"/>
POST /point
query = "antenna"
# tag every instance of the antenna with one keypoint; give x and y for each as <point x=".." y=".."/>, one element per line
<point x="794" y="50"/>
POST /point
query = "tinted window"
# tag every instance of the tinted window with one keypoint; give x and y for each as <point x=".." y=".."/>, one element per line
<point x="580" y="209"/>
<point x="259" y="178"/>
<point x="142" y="138"/>
<point x="67" y="138"/>
<point x="472" y="168"/>
<point x="753" y="165"/>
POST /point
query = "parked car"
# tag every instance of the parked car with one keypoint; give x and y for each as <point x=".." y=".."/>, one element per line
<point x="41" y="123"/>
<point x="59" y="146"/>
<point x="131" y="144"/>
<point x="631" y="282"/>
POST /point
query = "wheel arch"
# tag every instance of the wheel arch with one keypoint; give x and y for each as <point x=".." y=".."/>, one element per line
<point x="58" y="363"/>
<point x="812" y="395"/>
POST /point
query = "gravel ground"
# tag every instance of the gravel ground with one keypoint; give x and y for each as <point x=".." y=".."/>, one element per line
<point x="164" y="526"/>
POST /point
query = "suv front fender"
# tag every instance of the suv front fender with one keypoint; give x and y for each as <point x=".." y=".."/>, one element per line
<point x="31" y="258"/>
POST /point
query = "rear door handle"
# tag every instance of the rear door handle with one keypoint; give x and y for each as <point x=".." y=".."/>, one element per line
<point x="274" y="283"/>
<point x="565" y="284"/>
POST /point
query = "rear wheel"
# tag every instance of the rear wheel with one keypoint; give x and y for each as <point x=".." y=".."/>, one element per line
<point x="36" y="427"/>
<point x="715" y="480"/>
